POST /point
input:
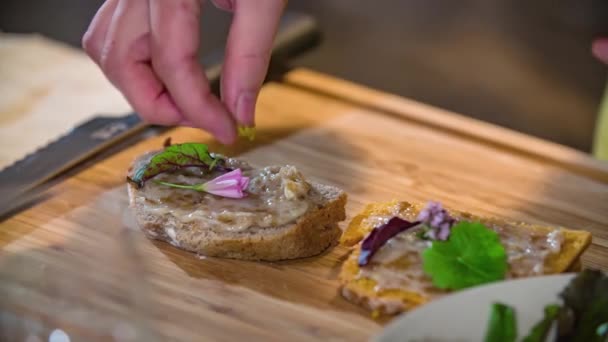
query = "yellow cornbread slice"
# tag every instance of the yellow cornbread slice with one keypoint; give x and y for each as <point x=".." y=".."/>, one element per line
<point x="362" y="290"/>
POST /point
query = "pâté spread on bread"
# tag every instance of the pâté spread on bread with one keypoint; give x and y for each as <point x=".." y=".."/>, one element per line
<point x="185" y="195"/>
<point x="406" y="255"/>
<point x="272" y="196"/>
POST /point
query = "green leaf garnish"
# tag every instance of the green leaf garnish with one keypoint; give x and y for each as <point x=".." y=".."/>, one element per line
<point x="173" y="158"/>
<point x="473" y="255"/>
<point x="246" y="132"/>
<point x="502" y="326"/>
<point x="541" y="329"/>
<point x="586" y="307"/>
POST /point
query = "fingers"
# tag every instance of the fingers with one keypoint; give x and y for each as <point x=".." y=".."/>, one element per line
<point x="600" y="49"/>
<point x="95" y="36"/>
<point x="124" y="58"/>
<point x="174" y="46"/>
<point x="248" y="51"/>
<point x="148" y="49"/>
<point x="226" y="5"/>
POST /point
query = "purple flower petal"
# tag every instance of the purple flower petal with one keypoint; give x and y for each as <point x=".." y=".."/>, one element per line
<point x="230" y="193"/>
<point x="229" y="185"/>
<point x="438" y="219"/>
<point x="234" y="174"/>
<point x="424" y="215"/>
<point x="444" y="233"/>
<point x="225" y="184"/>
<point x="244" y="183"/>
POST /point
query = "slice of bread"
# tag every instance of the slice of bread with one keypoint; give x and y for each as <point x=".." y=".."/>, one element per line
<point x="388" y="301"/>
<point x="308" y="235"/>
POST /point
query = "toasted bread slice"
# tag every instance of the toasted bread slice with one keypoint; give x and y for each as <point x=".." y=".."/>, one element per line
<point x="306" y="235"/>
<point x="364" y="290"/>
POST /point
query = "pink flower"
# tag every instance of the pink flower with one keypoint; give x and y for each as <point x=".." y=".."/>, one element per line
<point x="231" y="184"/>
<point x="438" y="220"/>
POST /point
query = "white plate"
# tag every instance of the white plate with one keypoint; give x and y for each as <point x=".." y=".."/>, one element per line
<point x="463" y="316"/>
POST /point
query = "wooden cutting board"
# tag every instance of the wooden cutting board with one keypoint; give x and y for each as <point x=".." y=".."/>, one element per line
<point x="76" y="262"/>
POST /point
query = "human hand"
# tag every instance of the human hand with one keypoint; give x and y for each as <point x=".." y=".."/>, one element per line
<point x="148" y="50"/>
<point x="600" y="49"/>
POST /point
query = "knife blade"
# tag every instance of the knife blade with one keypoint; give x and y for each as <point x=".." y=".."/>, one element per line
<point x="20" y="182"/>
<point x="77" y="145"/>
<point x="82" y="142"/>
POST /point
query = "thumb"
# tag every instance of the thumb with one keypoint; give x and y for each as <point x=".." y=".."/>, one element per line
<point x="599" y="48"/>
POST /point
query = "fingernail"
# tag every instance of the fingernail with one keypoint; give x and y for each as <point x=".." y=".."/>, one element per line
<point x="600" y="49"/>
<point x="245" y="108"/>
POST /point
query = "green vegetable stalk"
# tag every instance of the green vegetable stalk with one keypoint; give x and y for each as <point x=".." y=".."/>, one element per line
<point x="541" y="329"/>
<point x="583" y="317"/>
<point x="502" y="326"/>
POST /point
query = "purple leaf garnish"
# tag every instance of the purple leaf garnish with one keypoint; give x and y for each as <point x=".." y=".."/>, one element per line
<point x="380" y="235"/>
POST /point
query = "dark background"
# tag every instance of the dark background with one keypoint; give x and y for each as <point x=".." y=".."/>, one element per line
<point x="521" y="64"/>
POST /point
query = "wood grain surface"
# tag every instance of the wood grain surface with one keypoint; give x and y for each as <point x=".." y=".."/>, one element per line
<point x="75" y="261"/>
<point x="45" y="88"/>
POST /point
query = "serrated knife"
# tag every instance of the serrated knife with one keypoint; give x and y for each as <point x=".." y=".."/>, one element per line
<point x="22" y="181"/>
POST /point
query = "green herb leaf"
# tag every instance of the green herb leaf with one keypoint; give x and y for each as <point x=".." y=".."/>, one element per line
<point x="173" y="158"/>
<point x="246" y="132"/>
<point x="502" y="326"/>
<point x="473" y="255"/>
<point x="586" y="301"/>
<point x="541" y="329"/>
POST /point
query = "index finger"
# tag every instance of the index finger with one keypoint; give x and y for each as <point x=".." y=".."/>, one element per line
<point x="174" y="42"/>
<point x="248" y="53"/>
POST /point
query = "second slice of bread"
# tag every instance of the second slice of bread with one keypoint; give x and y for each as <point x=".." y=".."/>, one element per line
<point x="363" y="291"/>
